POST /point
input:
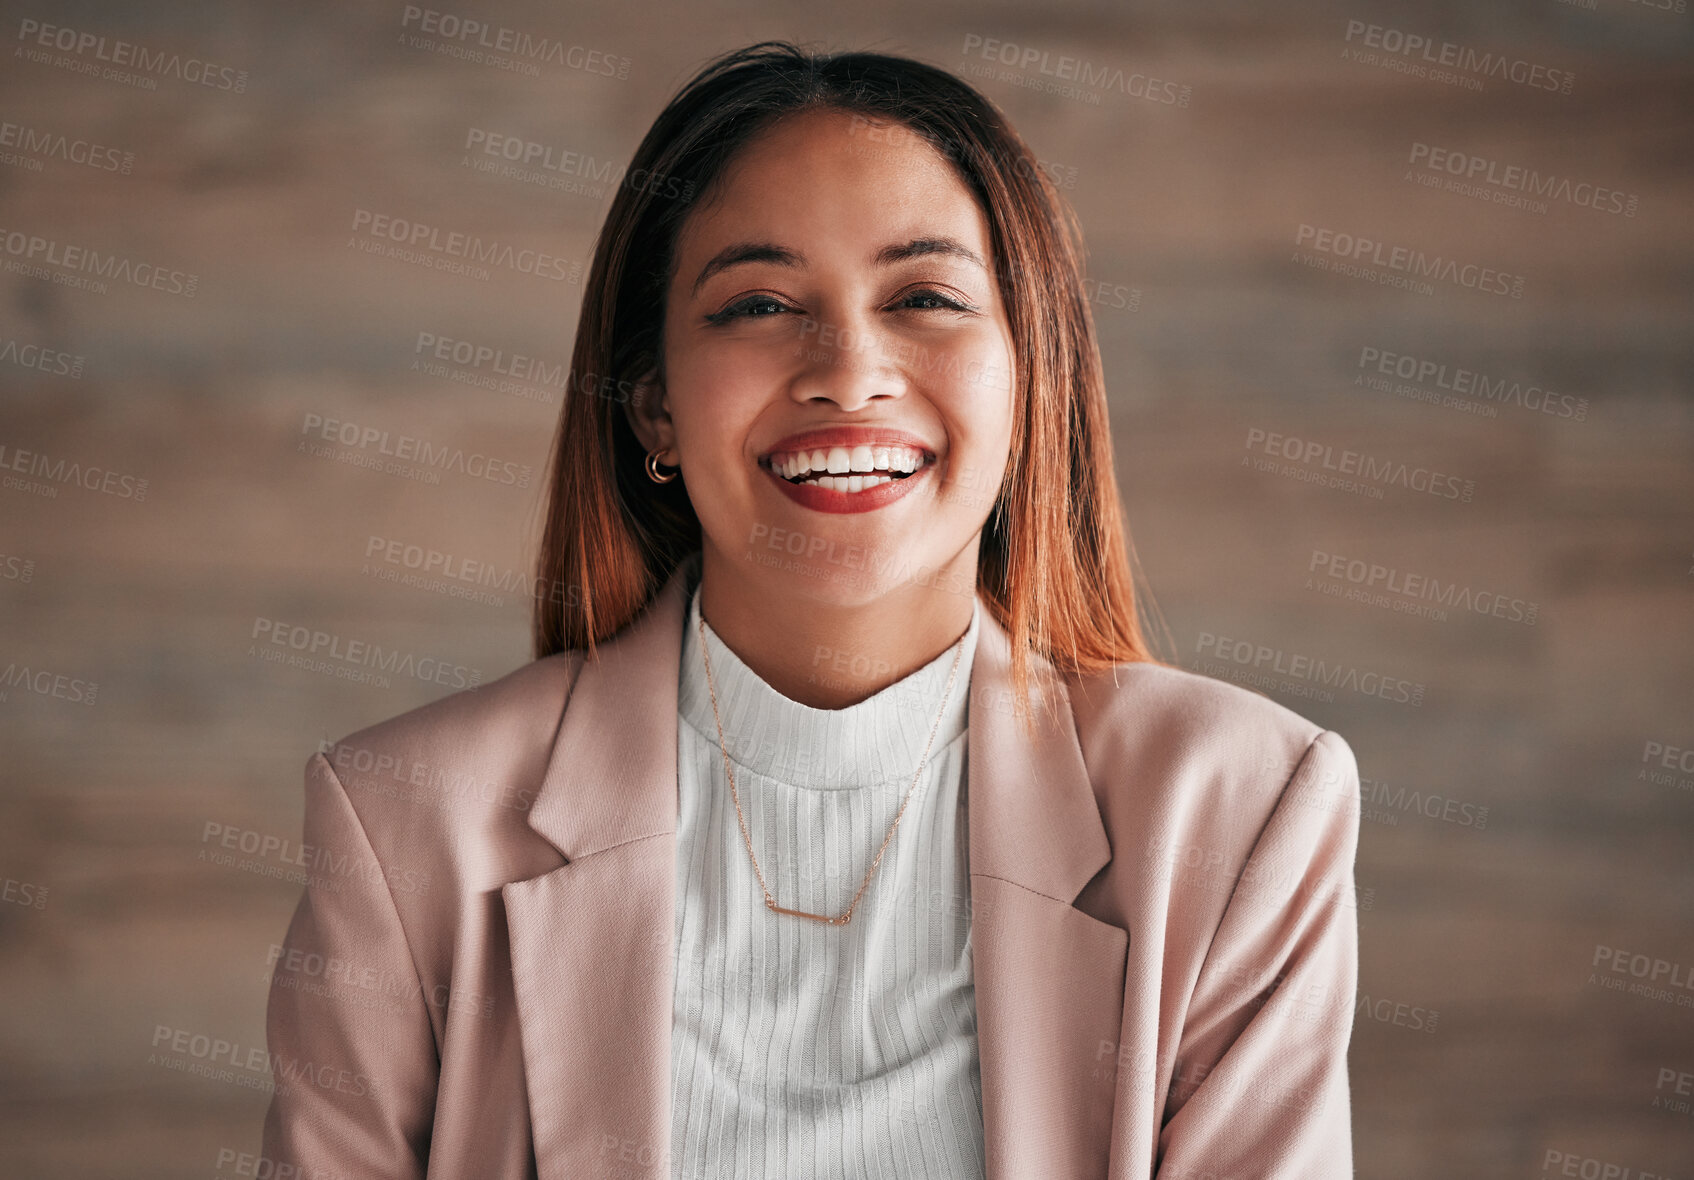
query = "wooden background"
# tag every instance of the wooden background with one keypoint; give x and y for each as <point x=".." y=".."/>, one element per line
<point x="1210" y="328"/>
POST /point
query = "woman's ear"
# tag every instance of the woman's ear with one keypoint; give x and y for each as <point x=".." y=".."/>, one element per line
<point x="648" y="411"/>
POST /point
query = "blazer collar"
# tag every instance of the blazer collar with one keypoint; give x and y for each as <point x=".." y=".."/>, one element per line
<point x="592" y="941"/>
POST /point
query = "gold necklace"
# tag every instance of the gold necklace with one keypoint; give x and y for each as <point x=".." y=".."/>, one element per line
<point x="770" y="902"/>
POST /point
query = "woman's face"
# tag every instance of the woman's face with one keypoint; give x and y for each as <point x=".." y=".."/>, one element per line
<point x="834" y="309"/>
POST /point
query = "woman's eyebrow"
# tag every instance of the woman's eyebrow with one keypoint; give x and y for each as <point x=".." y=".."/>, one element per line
<point x="918" y="247"/>
<point x="740" y="252"/>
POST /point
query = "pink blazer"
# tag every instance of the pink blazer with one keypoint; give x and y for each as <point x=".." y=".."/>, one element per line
<point x="477" y="983"/>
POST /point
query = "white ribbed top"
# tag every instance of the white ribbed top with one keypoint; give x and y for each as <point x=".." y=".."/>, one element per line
<point x="799" y="1048"/>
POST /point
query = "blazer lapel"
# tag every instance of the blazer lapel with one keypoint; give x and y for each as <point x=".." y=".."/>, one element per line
<point x="593" y="941"/>
<point x="1049" y="978"/>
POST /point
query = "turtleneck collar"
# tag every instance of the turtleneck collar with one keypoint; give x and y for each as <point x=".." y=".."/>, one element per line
<point x="877" y="741"/>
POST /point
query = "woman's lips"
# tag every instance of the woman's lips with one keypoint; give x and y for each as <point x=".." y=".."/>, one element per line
<point x="850" y="436"/>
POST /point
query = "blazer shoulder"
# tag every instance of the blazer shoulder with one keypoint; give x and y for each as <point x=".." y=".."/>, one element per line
<point x="1143" y="713"/>
<point x="1180" y="697"/>
<point x="1188" y="770"/>
<point x="441" y="795"/>
<point x="495" y="730"/>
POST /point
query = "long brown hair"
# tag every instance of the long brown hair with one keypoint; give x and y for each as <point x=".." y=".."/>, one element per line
<point x="1054" y="561"/>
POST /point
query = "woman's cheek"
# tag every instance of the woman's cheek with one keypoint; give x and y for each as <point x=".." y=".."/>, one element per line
<point x="983" y="433"/>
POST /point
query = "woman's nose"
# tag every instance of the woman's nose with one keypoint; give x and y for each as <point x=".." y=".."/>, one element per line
<point x="843" y="362"/>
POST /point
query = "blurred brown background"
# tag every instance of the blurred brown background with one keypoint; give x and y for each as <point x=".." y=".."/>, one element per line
<point x="1531" y="817"/>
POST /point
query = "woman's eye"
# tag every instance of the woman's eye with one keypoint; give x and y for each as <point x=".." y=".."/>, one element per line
<point x="761" y="306"/>
<point x="937" y="301"/>
<point x="745" y="308"/>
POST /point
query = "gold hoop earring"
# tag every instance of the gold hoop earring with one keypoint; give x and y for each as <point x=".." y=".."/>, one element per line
<point x="653" y="467"/>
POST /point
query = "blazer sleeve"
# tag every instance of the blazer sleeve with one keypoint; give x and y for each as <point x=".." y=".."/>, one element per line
<point x="1260" y="1079"/>
<point x="352" y="1048"/>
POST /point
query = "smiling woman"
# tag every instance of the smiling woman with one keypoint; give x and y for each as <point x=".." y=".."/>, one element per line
<point x="843" y="825"/>
<point x="870" y="247"/>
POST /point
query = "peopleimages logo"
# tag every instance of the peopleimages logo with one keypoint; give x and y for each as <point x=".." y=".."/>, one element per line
<point x="342" y="657"/>
<point x="1360" y="250"/>
<point x="72" y="265"/>
<point x="34" y="36"/>
<point x="417" y="241"/>
<point x="1323" y="459"/>
<point x="484" y="366"/>
<point x="1587" y="1167"/>
<point x="230" y="1061"/>
<point x="50" y="361"/>
<point x="1419" y="55"/>
<point x="1374" y="580"/>
<point x="427" y="568"/>
<point x="1064" y="68"/>
<point x="1386" y="804"/>
<point x="318" y="863"/>
<point x="1476" y="386"/>
<point x="413" y="450"/>
<point x="475" y="37"/>
<point x="45" y="683"/>
<point x="1259" y="665"/>
<point x="1466" y="174"/>
<point x="68" y="473"/>
<point x="54" y="145"/>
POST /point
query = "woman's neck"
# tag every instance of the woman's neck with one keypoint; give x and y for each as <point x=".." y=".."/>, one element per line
<point x="829" y="654"/>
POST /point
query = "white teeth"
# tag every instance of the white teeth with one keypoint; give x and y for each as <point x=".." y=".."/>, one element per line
<point x="848" y="483"/>
<point x="849" y="469"/>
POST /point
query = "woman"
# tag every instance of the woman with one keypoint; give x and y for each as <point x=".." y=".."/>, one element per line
<point x="844" y="824"/>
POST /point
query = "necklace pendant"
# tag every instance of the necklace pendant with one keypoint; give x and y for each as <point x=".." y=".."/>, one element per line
<point x="824" y="918"/>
